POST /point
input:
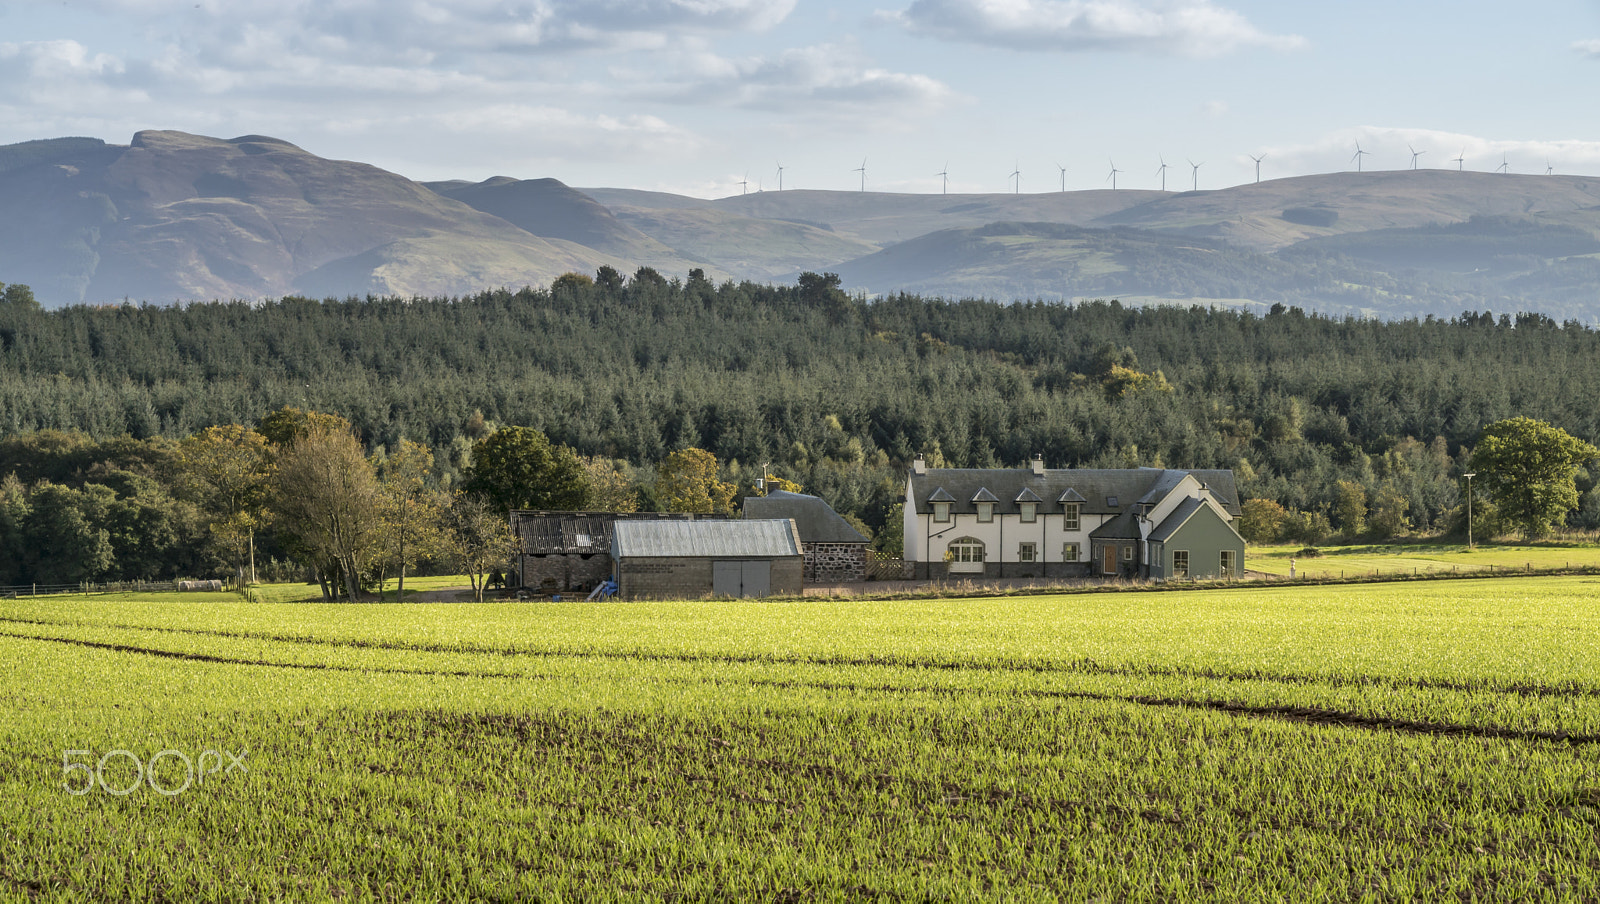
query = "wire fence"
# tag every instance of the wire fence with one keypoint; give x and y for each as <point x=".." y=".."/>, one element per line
<point x="12" y="591"/>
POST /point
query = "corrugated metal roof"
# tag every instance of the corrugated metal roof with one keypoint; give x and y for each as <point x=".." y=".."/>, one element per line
<point x="575" y="533"/>
<point x="817" y="521"/>
<point x="705" y="539"/>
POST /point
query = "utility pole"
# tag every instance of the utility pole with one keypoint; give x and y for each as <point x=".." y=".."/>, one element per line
<point x="1469" y="475"/>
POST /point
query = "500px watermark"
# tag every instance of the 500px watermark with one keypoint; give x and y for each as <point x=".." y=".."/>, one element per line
<point x="128" y="773"/>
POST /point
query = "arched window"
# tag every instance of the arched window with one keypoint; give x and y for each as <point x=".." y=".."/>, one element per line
<point x="966" y="556"/>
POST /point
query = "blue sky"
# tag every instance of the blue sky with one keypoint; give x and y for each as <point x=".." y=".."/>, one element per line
<point x="694" y="96"/>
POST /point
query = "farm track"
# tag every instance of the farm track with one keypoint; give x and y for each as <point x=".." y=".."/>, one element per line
<point x="1076" y="666"/>
<point x="1293" y="714"/>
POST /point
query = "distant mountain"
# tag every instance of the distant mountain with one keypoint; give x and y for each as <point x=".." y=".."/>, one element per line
<point x="883" y="218"/>
<point x="549" y="209"/>
<point x="178" y="216"/>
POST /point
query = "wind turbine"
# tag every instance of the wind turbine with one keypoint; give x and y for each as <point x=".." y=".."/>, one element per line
<point x="862" y="169"/>
<point x="1504" y="167"/>
<point x="1196" y="168"/>
<point x="1414" y="155"/>
<point x="1358" y="155"/>
<point x="1016" y="175"/>
<point x="780" y="177"/>
<point x="1063" y="176"/>
<point x="1258" y="165"/>
<point x="1549" y="168"/>
<point x="1461" y="160"/>
<point x="744" y="184"/>
<point x="945" y="175"/>
<point x="1162" y="172"/>
<point x="1113" y="177"/>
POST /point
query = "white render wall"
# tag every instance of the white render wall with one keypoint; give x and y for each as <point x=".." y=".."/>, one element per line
<point x="1001" y="537"/>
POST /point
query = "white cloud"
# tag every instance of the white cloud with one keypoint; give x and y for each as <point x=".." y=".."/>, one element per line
<point x="823" y="78"/>
<point x="366" y="28"/>
<point x="1194" y="28"/>
<point x="63" y="73"/>
<point x="1589" y="48"/>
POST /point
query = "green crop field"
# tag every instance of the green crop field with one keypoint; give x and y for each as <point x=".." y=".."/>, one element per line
<point x="1418" y="558"/>
<point x="1426" y="741"/>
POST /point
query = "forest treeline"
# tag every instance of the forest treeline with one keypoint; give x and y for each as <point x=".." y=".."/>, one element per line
<point x="834" y="393"/>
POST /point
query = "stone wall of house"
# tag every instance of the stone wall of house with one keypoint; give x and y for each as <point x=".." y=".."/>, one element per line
<point x="562" y="573"/>
<point x="834" y="563"/>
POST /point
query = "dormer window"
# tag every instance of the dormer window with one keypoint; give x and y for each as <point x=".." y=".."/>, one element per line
<point x="985" y="502"/>
<point x="1070" y="517"/>
<point x="1028" y="505"/>
<point x="941" y="512"/>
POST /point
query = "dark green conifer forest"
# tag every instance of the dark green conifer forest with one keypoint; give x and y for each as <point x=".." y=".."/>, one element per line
<point x="834" y="392"/>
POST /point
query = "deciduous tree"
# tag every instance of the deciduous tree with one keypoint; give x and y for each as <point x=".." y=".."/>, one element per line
<point x="1529" y="467"/>
<point x="1262" y="520"/>
<point x="610" y="488"/>
<point x="686" y="481"/>
<point x="480" y="537"/>
<point x="518" y="468"/>
<point x="410" y="514"/>
<point x="227" y="472"/>
<point x="327" y="498"/>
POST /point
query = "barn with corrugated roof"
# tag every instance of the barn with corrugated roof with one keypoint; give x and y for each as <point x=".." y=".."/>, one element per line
<point x="695" y="559"/>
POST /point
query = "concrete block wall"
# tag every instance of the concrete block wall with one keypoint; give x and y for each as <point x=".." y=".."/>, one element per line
<point x="690" y="578"/>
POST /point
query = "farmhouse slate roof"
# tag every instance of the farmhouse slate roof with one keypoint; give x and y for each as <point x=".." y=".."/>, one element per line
<point x="1122" y="527"/>
<point x="1179" y="517"/>
<point x="816" y="520"/>
<point x="1091" y="487"/>
<point x="768" y="539"/>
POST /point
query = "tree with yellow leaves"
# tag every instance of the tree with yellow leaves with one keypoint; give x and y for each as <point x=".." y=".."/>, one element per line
<point x="687" y="481"/>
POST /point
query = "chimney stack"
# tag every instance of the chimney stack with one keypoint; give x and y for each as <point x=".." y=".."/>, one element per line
<point x="1038" y="465"/>
<point x="919" y="467"/>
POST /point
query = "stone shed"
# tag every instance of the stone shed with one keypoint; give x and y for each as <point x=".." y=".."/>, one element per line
<point x="560" y="552"/>
<point x="694" y="559"/>
<point x="834" y="551"/>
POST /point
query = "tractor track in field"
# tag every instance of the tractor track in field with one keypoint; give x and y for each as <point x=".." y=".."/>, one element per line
<point x="234" y="660"/>
<point x="1295" y="714"/>
<point x="1076" y="666"/>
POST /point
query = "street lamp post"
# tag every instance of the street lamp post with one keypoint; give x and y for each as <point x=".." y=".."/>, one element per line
<point x="1469" y="475"/>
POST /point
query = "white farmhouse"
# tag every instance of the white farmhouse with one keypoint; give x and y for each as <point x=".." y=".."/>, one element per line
<point x="1038" y="522"/>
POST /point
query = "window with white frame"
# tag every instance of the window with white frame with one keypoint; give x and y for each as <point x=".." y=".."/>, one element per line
<point x="1229" y="563"/>
<point x="1030" y="512"/>
<point x="1069" y="552"/>
<point x="966" y="549"/>
<point x="1070" y="519"/>
<point x="1028" y="552"/>
<point x="1127" y="553"/>
<point x="941" y="512"/>
<point x="1180" y="563"/>
<point x="985" y="512"/>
